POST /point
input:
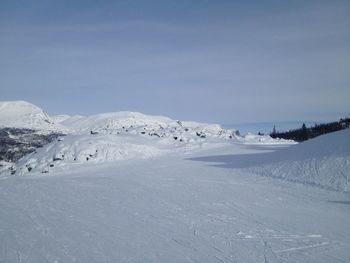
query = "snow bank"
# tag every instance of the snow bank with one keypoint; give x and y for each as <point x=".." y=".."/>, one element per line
<point x="84" y="149"/>
<point x="323" y="161"/>
<point x="265" y="139"/>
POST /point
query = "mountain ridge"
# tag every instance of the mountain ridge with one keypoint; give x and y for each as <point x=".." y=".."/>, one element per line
<point x="23" y="114"/>
<point x="103" y="137"/>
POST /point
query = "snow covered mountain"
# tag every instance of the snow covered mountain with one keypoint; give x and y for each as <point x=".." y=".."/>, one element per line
<point x="24" y="127"/>
<point x="22" y="114"/>
<point x="127" y="187"/>
<point x="122" y="135"/>
<point x="60" y="118"/>
<point x="31" y="135"/>
<point x="108" y="137"/>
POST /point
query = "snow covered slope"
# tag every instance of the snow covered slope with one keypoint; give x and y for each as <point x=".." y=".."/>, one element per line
<point x="22" y="114"/>
<point x="121" y="136"/>
<point x="323" y="161"/>
<point x="60" y="118"/>
<point x="170" y="209"/>
<point x="114" y="136"/>
<point x="127" y="135"/>
<point x="166" y="202"/>
<point x="115" y="120"/>
<point x="126" y="120"/>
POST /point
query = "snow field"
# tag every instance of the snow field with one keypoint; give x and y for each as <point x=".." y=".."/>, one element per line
<point x="169" y="209"/>
<point x="127" y="187"/>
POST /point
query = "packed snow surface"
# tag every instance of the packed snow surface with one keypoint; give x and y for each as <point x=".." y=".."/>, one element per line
<point x="323" y="162"/>
<point x="128" y="187"/>
<point x="170" y="208"/>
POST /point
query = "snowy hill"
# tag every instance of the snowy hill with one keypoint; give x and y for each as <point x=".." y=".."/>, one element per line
<point x="114" y="120"/>
<point x="127" y="187"/>
<point x="22" y="114"/>
<point x="60" y="118"/>
<point x="125" y="120"/>
<point x="168" y="209"/>
<point x="120" y="136"/>
<point x="105" y="137"/>
<point x="24" y="127"/>
<point x="323" y="161"/>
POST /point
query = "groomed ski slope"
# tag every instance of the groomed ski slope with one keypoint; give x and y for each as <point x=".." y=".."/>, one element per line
<point x="323" y="162"/>
<point x="173" y="208"/>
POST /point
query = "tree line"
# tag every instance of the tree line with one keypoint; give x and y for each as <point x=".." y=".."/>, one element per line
<point x="305" y="133"/>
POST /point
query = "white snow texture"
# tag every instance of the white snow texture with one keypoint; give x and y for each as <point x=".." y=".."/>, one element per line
<point x="127" y="187"/>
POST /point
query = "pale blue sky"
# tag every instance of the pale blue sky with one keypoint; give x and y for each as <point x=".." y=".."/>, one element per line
<point x="212" y="61"/>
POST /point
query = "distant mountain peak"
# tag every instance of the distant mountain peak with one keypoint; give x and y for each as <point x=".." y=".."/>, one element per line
<point x="23" y="114"/>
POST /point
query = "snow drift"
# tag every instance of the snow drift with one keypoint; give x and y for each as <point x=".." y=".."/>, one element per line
<point x="323" y="161"/>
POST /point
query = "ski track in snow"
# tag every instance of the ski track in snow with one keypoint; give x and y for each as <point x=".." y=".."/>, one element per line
<point x="169" y="209"/>
<point x="127" y="187"/>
